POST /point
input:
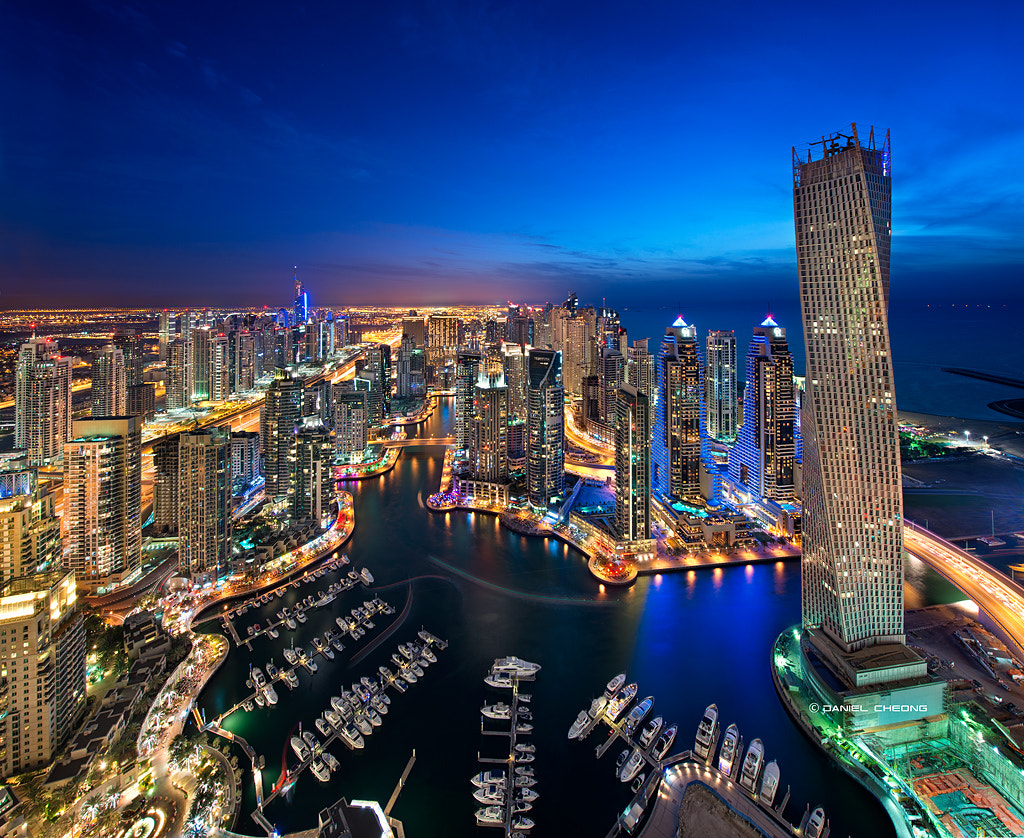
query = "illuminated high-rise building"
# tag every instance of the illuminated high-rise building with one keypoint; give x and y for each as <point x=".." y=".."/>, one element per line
<point x="513" y="364"/>
<point x="109" y="388"/>
<point x="42" y="401"/>
<point x="242" y="360"/>
<point x="545" y="428"/>
<point x="312" y="488"/>
<point x="852" y="564"/>
<point x="168" y="332"/>
<point x="219" y="368"/>
<point x="282" y="410"/>
<point x="200" y="363"/>
<point x="42" y="660"/>
<point x="300" y="310"/>
<point x="488" y="446"/>
<point x="762" y="458"/>
<point x="640" y="371"/>
<point x="165" y="484"/>
<point x="611" y="372"/>
<point x="204" y="502"/>
<point x="351" y="424"/>
<point x="129" y="340"/>
<point x="677" y="443"/>
<point x="720" y="385"/>
<point x="443" y="337"/>
<point x="467" y="371"/>
<point x="179" y="374"/>
<point x="102" y="520"/>
<point x="632" y="464"/>
<point x="29" y="528"/>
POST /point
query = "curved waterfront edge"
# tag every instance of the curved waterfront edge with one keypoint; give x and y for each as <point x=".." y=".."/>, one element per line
<point x="791" y="689"/>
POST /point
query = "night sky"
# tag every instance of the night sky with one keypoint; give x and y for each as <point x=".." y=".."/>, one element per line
<point x="167" y="153"/>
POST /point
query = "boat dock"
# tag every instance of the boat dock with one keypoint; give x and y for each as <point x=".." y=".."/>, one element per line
<point x="668" y="778"/>
<point x="335" y="589"/>
<point x="519" y="758"/>
<point x="291" y="774"/>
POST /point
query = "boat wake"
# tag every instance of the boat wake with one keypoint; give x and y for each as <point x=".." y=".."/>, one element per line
<point x="554" y="600"/>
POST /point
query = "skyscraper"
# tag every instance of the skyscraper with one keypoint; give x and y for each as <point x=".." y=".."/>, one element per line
<point x="42" y="629"/>
<point x="467" y="371"/>
<point x="545" y="468"/>
<point x="312" y="479"/>
<point x="852" y="564"/>
<point x="720" y="385"/>
<point x="42" y="401"/>
<point x="179" y="374"/>
<point x="762" y="459"/>
<point x="204" y="502"/>
<point x="442" y="340"/>
<point x="677" y="433"/>
<point x="29" y="528"/>
<point x="219" y="368"/>
<point x="165" y="484"/>
<point x="300" y="310"/>
<point x="168" y="331"/>
<point x="611" y="371"/>
<point x="109" y="388"/>
<point x="129" y="340"/>
<point x="102" y="521"/>
<point x="200" y="363"/>
<point x="513" y="364"/>
<point x="281" y="411"/>
<point x="640" y="369"/>
<point x="351" y="424"/>
<point x="632" y="464"/>
<point x="488" y="446"/>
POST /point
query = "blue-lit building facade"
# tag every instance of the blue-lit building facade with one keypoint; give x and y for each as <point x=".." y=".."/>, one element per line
<point x="763" y="458"/>
<point x="676" y="467"/>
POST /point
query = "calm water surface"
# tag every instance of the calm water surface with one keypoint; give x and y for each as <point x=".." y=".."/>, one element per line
<point x="688" y="639"/>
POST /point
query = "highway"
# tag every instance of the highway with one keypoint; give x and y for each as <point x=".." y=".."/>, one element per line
<point x="604" y="453"/>
<point x="1000" y="598"/>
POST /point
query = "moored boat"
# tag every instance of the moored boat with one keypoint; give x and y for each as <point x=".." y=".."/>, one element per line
<point x="490" y="814"/>
<point x="516" y="667"/>
<point x="815" y="823"/>
<point x="752" y="762"/>
<point x="707" y="732"/>
<point x="650" y="731"/>
<point x="499" y="710"/>
<point x="637" y="714"/>
<point x="299" y="748"/>
<point x="727" y="755"/>
<point x="319" y="770"/>
<point x="485" y="777"/>
<point x="491" y="793"/>
<point x="621" y="701"/>
<point x="615" y="685"/>
<point x="769" y="783"/>
<point x="664" y="742"/>
<point x="577" y="727"/>
<point x="632" y="766"/>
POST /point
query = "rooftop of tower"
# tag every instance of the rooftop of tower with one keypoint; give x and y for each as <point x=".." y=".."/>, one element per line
<point x="769" y="321"/>
<point x="679" y="322"/>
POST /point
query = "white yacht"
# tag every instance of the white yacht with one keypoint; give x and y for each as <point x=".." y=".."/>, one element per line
<point x="664" y="742"/>
<point x="501" y="710"/>
<point x="311" y="740"/>
<point x="491" y="793"/>
<point x="615" y="685"/>
<point x="515" y="666"/>
<point x="632" y="765"/>
<point x="621" y="701"/>
<point x="727" y="755"/>
<point x="323" y="727"/>
<point x="637" y="714"/>
<point x="319" y="770"/>
<point x="770" y="783"/>
<point x="490" y="814"/>
<point x="521" y="824"/>
<point x="529" y="795"/>
<point x="597" y="706"/>
<point x="331" y="761"/>
<point x="352" y="736"/>
<point x="300" y="748"/>
<point x="494" y="776"/>
<point x="582" y="720"/>
<point x="650" y="731"/>
<point x="333" y="717"/>
<point x="751" y="770"/>
<point x="502" y="681"/>
<point x="707" y="732"/>
<point x="815" y="823"/>
<point x="291" y="679"/>
<point x="366" y="576"/>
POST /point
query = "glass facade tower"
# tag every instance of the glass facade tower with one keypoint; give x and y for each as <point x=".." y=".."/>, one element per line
<point x="852" y="565"/>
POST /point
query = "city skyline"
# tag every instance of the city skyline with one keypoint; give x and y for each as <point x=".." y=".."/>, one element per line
<point x="422" y="155"/>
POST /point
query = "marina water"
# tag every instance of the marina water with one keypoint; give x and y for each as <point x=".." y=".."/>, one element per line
<point x="688" y="639"/>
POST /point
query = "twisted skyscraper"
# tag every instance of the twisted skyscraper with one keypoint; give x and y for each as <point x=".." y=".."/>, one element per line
<point x="853" y="511"/>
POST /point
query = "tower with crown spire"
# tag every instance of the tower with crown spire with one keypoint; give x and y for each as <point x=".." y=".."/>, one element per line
<point x="677" y="433"/>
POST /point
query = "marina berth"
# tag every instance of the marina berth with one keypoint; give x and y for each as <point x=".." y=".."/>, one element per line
<point x="751" y="769"/>
<point x="650" y="731"/>
<point x="707" y="732"/>
<point x="664" y="742"/>
<point x="727" y="755"/>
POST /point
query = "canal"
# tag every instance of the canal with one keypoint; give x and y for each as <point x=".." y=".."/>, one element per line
<point x="688" y="639"/>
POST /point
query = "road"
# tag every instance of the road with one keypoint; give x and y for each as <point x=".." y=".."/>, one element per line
<point x="1000" y="598"/>
<point x="604" y="453"/>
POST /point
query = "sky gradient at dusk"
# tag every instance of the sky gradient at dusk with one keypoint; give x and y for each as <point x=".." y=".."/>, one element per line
<point x="191" y="153"/>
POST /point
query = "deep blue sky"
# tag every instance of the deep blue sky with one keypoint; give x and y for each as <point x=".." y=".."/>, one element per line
<point x="179" y="152"/>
